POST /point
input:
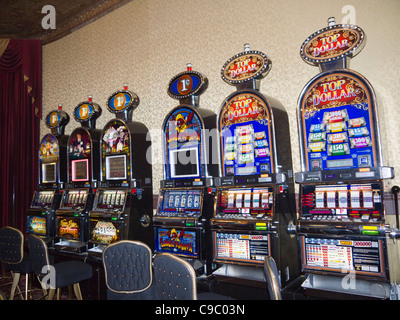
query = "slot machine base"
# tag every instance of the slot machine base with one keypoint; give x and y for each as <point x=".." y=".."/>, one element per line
<point x="71" y="246"/>
<point x="346" y="287"/>
<point x="244" y="275"/>
<point x="97" y="250"/>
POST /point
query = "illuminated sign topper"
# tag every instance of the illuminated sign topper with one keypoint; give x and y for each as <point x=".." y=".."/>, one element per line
<point x="186" y="84"/>
<point x="86" y="110"/>
<point x="245" y="66"/>
<point x="56" y="118"/>
<point x="332" y="43"/>
<point x="122" y="100"/>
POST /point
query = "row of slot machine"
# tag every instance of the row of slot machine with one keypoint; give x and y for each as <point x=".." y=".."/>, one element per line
<point x="95" y="186"/>
<point x="227" y="199"/>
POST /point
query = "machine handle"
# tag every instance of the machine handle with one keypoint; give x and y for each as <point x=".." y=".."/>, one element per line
<point x="395" y="190"/>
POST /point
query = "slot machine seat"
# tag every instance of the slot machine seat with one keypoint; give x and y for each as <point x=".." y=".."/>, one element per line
<point x="57" y="275"/>
<point x="176" y="280"/>
<point x="128" y="271"/>
<point x="272" y="277"/>
<point x="13" y="258"/>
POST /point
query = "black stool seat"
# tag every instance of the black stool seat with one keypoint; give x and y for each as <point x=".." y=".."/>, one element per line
<point x="62" y="274"/>
<point x="71" y="272"/>
<point x="25" y="266"/>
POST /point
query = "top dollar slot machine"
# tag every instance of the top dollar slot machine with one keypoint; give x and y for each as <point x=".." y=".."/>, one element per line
<point x="342" y="227"/>
<point x="254" y="200"/>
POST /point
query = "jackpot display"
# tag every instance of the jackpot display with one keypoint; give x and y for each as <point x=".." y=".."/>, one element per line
<point x="52" y="177"/>
<point x="83" y="165"/>
<point x="186" y="197"/>
<point x="255" y="192"/>
<point x="342" y="226"/>
<point x="123" y="204"/>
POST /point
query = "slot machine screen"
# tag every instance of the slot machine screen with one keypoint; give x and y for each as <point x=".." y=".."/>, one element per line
<point x="177" y="241"/>
<point x="116" y="167"/>
<point x="68" y="228"/>
<point x="36" y="225"/>
<point x="362" y="256"/>
<point x="49" y="172"/>
<point x="184" y="163"/>
<point x="104" y="232"/>
<point x="180" y="202"/>
<point x="241" y="247"/>
<point x="80" y="170"/>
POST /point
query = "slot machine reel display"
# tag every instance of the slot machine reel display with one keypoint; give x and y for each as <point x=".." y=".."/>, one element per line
<point x="186" y="198"/>
<point x="256" y="190"/>
<point x="342" y="225"/>
<point x="83" y="152"/>
<point x="52" y="176"/>
<point x="123" y="205"/>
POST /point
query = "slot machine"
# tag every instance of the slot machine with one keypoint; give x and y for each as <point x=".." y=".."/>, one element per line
<point x="52" y="177"/>
<point x="123" y="205"/>
<point x="254" y="200"/>
<point x="83" y="163"/>
<point x="186" y="197"/>
<point x="342" y="227"/>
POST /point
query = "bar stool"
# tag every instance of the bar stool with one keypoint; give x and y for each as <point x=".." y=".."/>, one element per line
<point x="176" y="280"/>
<point x="61" y="274"/>
<point x="128" y="271"/>
<point x="13" y="258"/>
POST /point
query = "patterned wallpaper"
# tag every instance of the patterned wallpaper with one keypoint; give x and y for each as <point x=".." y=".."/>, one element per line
<point x="146" y="42"/>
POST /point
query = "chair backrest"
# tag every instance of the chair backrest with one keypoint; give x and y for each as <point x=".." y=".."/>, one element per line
<point x="175" y="278"/>
<point x="127" y="266"/>
<point x="39" y="254"/>
<point x="272" y="277"/>
<point x="11" y="245"/>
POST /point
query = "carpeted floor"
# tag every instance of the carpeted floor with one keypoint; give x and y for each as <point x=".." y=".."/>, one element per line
<point x="36" y="292"/>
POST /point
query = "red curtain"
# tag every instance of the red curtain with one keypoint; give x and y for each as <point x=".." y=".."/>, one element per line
<point x="20" y="113"/>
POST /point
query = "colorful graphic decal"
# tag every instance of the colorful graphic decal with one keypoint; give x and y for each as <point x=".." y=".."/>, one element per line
<point x="244" y="123"/>
<point x="105" y="232"/>
<point x="337" y="130"/>
<point x="68" y="228"/>
<point x="36" y="225"/>
<point x="177" y="241"/>
<point x="79" y="144"/>
<point x="116" y="141"/>
<point x="183" y="130"/>
<point x="49" y="149"/>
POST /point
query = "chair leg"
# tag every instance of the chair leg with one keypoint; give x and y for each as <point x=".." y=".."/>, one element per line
<point x="26" y="286"/>
<point x="15" y="276"/>
<point x="77" y="290"/>
<point x="42" y="285"/>
<point x="52" y="291"/>
<point x="70" y="293"/>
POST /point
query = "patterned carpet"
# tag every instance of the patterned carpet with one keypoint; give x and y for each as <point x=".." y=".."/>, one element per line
<point x="36" y="292"/>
